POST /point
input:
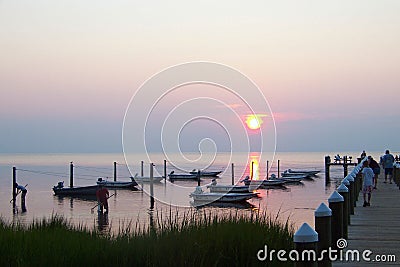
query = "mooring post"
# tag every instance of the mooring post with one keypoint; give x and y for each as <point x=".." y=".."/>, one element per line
<point x="345" y="167"/>
<point x="14" y="188"/>
<point x="327" y="162"/>
<point x="352" y="203"/>
<point x="141" y="168"/>
<point x="323" y="224"/>
<point x="165" y="169"/>
<point x="233" y="173"/>
<point x="115" y="171"/>
<point x="336" y="205"/>
<point x="279" y="164"/>
<point x="344" y="192"/>
<point x="198" y="178"/>
<point x="151" y="186"/>
<point x="252" y="170"/>
<point x="347" y="202"/>
<point x="71" y="174"/>
<point x="305" y="239"/>
<point x="267" y="169"/>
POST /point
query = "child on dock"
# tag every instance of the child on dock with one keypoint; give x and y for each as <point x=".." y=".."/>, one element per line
<point x="375" y="168"/>
<point x="368" y="176"/>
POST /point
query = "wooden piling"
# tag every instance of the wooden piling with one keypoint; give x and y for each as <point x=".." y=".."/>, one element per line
<point x="115" y="171"/>
<point x="306" y="239"/>
<point x="165" y="169"/>
<point x="267" y="169"/>
<point x="345" y="166"/>
<point x="323" y="224"/>
<point x="141" y="168"/>
<point x="327" y="161"/>
<point x="14" y="188"/>
<point x="279" y="173"/>
<point x="252" y="170"/>
<point x="151" y="186"/>
<point x="336" y="205"/>
<point x="198" y="178"/>
<point x="71" y="174"/>
<point x="352" y="202"/>
<point x="233" y="173"/>
<point x="344" y="192"/>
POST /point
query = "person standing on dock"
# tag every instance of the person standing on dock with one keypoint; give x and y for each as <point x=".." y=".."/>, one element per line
<point x="363" y="154"/>
<point x="368" y="176"/>
<point x="388" y="161"/>
<point x="375" y="168"/>
<point x="102" y="195"/>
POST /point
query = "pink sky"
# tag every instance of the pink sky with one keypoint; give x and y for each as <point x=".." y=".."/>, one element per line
<point x="323" y="66"/>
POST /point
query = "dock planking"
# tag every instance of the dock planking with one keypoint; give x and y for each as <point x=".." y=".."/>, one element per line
<point x="376" y="228"/>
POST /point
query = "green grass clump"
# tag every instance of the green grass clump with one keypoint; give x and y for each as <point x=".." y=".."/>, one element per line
<point x="194" y="239"/>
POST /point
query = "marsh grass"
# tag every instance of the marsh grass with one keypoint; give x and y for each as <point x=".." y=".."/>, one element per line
<point x="189" y="238"/>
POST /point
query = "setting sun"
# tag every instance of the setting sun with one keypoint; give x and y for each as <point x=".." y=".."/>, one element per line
<point x="254" y="121"/>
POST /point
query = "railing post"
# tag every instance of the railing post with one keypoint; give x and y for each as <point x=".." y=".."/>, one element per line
<point x="352" y="203"/>
<point x="305" y="239"/>
<point x="344" y="192"/>
<point x="323" y="224"/>
<point x="336" y="205"/>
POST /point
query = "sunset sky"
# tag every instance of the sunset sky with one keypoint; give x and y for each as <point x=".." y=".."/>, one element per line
<point x="328" y="69"/>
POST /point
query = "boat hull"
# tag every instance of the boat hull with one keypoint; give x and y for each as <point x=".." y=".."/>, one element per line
<point x="206" y="174"/>
<point x="229" y="188"/>
<point x="147" y="179"/>
<point x="118" y="185"/>
<point x="76" y="191"/>
<point x="220" y="197"/>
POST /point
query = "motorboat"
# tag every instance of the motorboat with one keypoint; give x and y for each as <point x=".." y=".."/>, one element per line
<point x="264" y="182"/>
<point x="206" y="173"/>
<point x="146" y="179"/>
<point x="217" y="188"/>
<point x="116" y="184"/>
<point x="183" y="176"/>
<point x="200" y="196"/>
<point x="80" y="191"/>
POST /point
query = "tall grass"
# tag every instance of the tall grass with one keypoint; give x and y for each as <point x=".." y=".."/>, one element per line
<point x="181" y="239"/>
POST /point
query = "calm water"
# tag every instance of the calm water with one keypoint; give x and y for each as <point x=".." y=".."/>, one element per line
<point x="42" y="171"/>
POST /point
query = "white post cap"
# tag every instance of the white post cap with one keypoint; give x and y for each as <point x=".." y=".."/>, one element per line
<point x="335" y="197"/>
<point x="305" y="234"/>
<point x="323" y="211"/>
<point x="342" y="189"/>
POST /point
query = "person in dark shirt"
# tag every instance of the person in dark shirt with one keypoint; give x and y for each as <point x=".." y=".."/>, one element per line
<point x="375" y="168"/>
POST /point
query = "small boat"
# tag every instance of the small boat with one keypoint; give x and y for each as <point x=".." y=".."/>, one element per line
<point x="117" y="184"/>
<point x="300" y="172"/>
<point x="288" y="179"/>
<point x="200" y="196"/>
<point x="206" y="173"/>
<point x="172" y="176"/>
<point x="265" y="182"/>
<point x="60" y="190"/>
<point x="217" y="188"/>
<point x="146" y="179"/>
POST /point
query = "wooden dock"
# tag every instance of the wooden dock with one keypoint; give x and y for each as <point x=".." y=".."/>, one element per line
<point x="376" y="228"/>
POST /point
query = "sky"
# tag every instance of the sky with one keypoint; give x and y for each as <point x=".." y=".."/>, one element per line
<point x="328" y="70"/>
